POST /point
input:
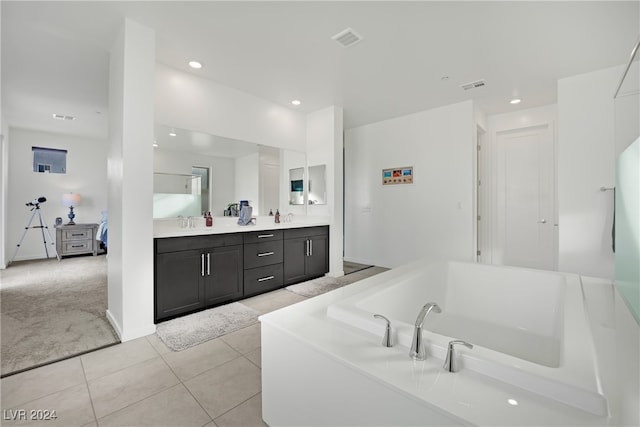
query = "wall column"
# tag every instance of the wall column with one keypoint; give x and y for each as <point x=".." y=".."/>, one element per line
<point x="130" y="176"/>
<point x="325" y="144"/>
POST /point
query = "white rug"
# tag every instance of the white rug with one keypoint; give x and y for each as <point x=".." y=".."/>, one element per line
<point x="188" y="331"/>
<point x="314" y="287"/>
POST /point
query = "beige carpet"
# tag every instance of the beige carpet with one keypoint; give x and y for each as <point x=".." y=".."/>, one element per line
<point x="52" y="310"/>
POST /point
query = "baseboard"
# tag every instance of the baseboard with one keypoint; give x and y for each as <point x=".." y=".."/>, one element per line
<point x="114" y="324"/>
<point x="358" y="261"/>
<point x="130" y="335"/>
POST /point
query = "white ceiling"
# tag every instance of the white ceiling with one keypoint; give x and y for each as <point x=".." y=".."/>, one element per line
<point x="55" y="54"/>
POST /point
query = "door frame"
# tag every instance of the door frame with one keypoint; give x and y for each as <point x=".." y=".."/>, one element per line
<point x="487" y="201"/>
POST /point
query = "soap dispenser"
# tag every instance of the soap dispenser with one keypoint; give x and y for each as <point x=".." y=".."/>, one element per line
<point x="209" y="219"/>
<point x="277" y="216"/>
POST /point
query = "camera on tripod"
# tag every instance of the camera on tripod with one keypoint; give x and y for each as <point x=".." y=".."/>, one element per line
<point x="37" y="201"/>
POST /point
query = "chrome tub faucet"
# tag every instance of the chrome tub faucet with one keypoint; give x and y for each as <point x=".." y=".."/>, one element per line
<point x="450" y="363"/>
<point x="417" y="351"/>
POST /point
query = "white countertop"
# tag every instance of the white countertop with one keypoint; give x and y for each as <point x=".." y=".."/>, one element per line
<point x="470" y="396"/>
<point x="170" y="227"/>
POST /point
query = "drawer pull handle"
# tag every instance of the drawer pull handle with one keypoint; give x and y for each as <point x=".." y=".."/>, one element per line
<point x="77" y="246"/>
<point x="262" y="236"/>
<point x="265" y="254"/>
<point x="264" y="279"/>
<point x="77" y="234"/>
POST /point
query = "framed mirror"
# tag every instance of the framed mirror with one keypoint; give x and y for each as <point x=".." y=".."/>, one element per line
<point x="317" y="188"/>
<point x="296" y="186"/>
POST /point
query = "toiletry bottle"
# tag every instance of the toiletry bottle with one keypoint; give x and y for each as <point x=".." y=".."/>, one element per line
<point x="270" y="212"/>
<point x="209" y="219"/>
<point x="277" y="216"/>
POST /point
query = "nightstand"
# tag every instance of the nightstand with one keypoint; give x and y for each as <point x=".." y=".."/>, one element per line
<point x="76" y="239"/>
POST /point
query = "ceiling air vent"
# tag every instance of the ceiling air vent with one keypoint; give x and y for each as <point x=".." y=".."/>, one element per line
<point x="347" y="37"/>
<point x="473" y="85"/>
<point x="62" y="117"/>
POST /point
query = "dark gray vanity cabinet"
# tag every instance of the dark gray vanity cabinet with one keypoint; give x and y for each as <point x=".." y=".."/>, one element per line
<point x="306" y="253"/>
<point x="196" y="272"/>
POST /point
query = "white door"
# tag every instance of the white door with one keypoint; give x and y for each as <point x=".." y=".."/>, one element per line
<point x="525" y="198"/>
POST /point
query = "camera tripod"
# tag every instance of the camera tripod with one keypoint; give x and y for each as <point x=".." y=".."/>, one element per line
<point x="43" y="227"/>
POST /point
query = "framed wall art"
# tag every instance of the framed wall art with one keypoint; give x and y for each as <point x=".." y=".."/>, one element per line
<point x="394" y="176"/>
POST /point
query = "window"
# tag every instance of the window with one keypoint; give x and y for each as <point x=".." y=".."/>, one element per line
<point x="49" y="160"/>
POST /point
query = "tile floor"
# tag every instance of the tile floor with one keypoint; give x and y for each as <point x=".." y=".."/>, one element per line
<point x="143" y="383"/>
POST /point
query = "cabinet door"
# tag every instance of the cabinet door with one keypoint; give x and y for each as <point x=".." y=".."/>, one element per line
<point x="179" y="283"/>
<point x="317" y="261"/>
<point x="295" y="253"/>
<point x="224" y="275"/>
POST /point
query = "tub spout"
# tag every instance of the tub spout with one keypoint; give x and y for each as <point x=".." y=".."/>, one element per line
<point x="417" y="351"/>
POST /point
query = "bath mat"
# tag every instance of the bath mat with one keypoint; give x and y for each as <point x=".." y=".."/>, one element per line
<point x="314" y="287"/>
<point x="188" y="331"/>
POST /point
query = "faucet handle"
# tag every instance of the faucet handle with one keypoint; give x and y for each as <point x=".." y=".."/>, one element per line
<point x="386" y="340"/>
<point x="450" y="363"/>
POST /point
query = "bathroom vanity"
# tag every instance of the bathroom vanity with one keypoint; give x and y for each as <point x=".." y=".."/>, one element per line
<point x="202" y="267"/>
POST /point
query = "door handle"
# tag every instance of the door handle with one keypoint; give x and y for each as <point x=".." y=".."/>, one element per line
<point x="310" y="247"/>
<point x="542" y="221"/>
<point x="208" y="264"/>
<point x="202" y="265"/>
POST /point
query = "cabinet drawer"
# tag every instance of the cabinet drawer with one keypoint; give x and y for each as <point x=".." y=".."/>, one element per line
<point x="261" y="254"/>
<point x="294" y="233"/>
<point x="175" y="244"/>
<point x="77" y="246"/>
<point x="263" y="279"/>
<point x="78" y="234"/>
<point x="262" y="236"/>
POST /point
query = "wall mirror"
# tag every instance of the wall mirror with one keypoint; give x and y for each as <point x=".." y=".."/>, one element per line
<point x="231" y="170"/>
<point x="317" y="187"/>
<point x="176" y="194"/>
<point x="296" y="187"/>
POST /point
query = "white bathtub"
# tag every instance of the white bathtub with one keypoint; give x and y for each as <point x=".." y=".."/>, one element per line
<point x="528" y="327"/>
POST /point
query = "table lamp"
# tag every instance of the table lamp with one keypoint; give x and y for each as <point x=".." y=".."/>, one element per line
<point x="71" y="200"/>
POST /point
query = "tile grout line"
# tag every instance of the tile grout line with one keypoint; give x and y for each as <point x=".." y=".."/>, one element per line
<point x="86" y="383"/>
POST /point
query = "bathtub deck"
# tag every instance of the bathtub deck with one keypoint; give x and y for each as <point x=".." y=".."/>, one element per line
<point x="336" y="364"/>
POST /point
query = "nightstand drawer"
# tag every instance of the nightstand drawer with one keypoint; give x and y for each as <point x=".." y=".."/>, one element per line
<point x="79" y="234"/>
<point x="77" y="246"/>
<point x="76" y="239"/>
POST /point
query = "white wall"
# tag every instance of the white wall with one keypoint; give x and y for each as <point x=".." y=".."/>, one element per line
<point x="586" y="162"/>
<point x="130" y="189"/>
<point x="190" y="102"/>
<point x="392" y="224"/>
<point x="221" y="169"/>
<point x="86" y="175"/>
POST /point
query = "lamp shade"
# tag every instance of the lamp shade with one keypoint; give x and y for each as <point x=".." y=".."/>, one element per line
<point x="71" y="199"/>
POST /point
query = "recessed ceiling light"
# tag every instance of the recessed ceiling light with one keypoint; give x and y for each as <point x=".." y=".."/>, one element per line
<point x="512" y="402"/>
<point x="515" y="101"/>
<point x="296" y="102"/>
<point x="195" y="64"/>
<point x="155" y="144"/>
<point x="172" y="133"/>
